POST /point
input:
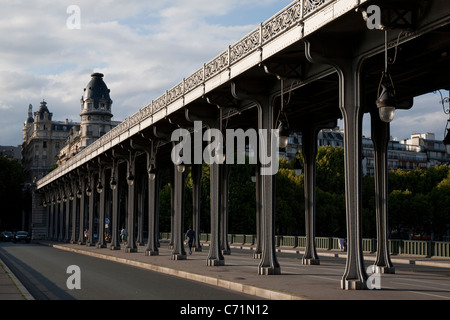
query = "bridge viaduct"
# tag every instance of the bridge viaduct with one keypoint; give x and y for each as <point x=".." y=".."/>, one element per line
<point x="312" y="63"/>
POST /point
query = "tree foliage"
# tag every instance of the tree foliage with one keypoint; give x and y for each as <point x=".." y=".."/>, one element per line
<point x="11" y="193"/>
<point x="418" y="200"/>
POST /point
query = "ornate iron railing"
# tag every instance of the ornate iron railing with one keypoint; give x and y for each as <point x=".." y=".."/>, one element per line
<point x="291" y="16"/>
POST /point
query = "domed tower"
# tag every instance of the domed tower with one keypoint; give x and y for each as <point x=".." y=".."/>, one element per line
<point x="43" y="118"/>
<point x="95" y="110"/>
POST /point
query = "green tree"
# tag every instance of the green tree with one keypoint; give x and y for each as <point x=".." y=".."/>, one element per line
<point x="11" y="192"/>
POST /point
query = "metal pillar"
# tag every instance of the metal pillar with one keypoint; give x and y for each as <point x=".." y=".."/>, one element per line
<point x="268" y="264"/>
<point x="355" y="276"/>
<point x="141" y="189"/>
<point x="102" y="204"/>
<point x="67" y="218"/>
<point x="153" y="196"/>
<point x="258" y="245"/>
<point x="380" y="138"/>
<point x="349" y="72"/>
<point x="196" y="199"/>
<point x="153" y="176"/>
<point x="73" y="198"/>
<point x="178" y="251"/>
<point x="91" y="194"/>
<point x="131" y="239"/>
<point x="114" y="185"/>
<point x="215" y="256"/>
<point x="224" y="245"/>
<point x="309" y="150"/>
<point x="61" y="214"/>
<point x="81" y="196"/>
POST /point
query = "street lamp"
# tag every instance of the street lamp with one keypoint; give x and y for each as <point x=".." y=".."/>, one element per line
<point x="113" y="183"/>
<point x="298" y="167"/>
<point x="283" y="134"/>
<point x="130" y="178"/>
<point x="283" y="125"/>
<point x="152" y="172"/>
<point x="386" y="101"/>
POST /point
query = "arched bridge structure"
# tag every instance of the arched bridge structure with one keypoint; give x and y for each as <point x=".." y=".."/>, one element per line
<point x="314" y="62"/>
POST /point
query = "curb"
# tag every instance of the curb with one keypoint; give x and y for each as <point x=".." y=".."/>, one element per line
<point x="20" y="287"/>
<point x="235" y="286"/>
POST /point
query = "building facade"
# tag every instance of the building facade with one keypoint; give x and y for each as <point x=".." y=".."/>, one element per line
<point x="47" y="142"/>
<point x="43" y="138"/>
<point x="96" y="118"/>
<point x="419" y="151"/>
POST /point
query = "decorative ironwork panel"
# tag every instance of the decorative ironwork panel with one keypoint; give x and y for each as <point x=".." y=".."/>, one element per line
<point x="282" y="21"/>
<point x="175" y="93"/>
<point x="245" y="46"/>
<point x="312" y="5"/>
<point x="159" y="103"/>
<point x="217" y="65"/>
<point x="193" y="81"/>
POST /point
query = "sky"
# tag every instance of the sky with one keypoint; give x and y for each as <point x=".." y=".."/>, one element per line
<point x="143" y="48"/>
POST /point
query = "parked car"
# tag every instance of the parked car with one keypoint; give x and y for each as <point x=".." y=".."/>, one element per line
<point x="22" y="236"/>
<point x="6" y="236"/>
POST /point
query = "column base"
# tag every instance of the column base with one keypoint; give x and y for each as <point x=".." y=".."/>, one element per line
<point x="178" y="257"/>
<point x="214" y="262"/>
<point x="226" y="252"/>
<point x="269" y="271"/>
<point x="257" y="255"/>
<point x="383" y="269"/>
<point x="310" y="261"/>
<point x="129" y="250"/>
<point x="353" y="285"/>
<point x="99" y="245"/>
<point x="114" y="247"/>
<point x="199" y="249"/>
<point x="151" y="253"/>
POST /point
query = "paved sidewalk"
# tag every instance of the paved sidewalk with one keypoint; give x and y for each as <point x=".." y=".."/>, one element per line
<point x="296" y="282"/>
<point x="10" y="287"/>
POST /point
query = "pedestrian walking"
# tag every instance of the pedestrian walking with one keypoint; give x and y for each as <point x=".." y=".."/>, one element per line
<point x="123" y="235"/>
<point x="190" y="235"/>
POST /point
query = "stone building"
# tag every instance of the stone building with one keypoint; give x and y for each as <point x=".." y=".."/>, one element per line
<point x="47" y="142"/>
<point x="96" y="118"/>
<point x="43" y="138"/>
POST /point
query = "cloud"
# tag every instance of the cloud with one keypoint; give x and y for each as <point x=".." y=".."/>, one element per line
<point x="142" y="47"/>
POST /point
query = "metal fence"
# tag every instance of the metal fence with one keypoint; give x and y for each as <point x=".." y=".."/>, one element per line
<point x="396" y="247"/>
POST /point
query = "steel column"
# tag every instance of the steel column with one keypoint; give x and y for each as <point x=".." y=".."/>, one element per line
<point x="349" y="72"/>
<point x="91" y="195"/>
<point x="215" y="256"/>
<point x="380" y="138"/>
<point x="131" y="240"/>
<point x="81" y="195"/>
<point x="67" y="218"/>
<point x="196" y="200"/>
<point x="102" y="205"/>
<point x="355" y="276"/>
<point x="74" y="213"/>
<point x="309" y="150"/>
<point x="178" y="252"/>
<point x="258" y="245"/>
<point x="114" y="185"/>
<point x="224" y="245"/>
